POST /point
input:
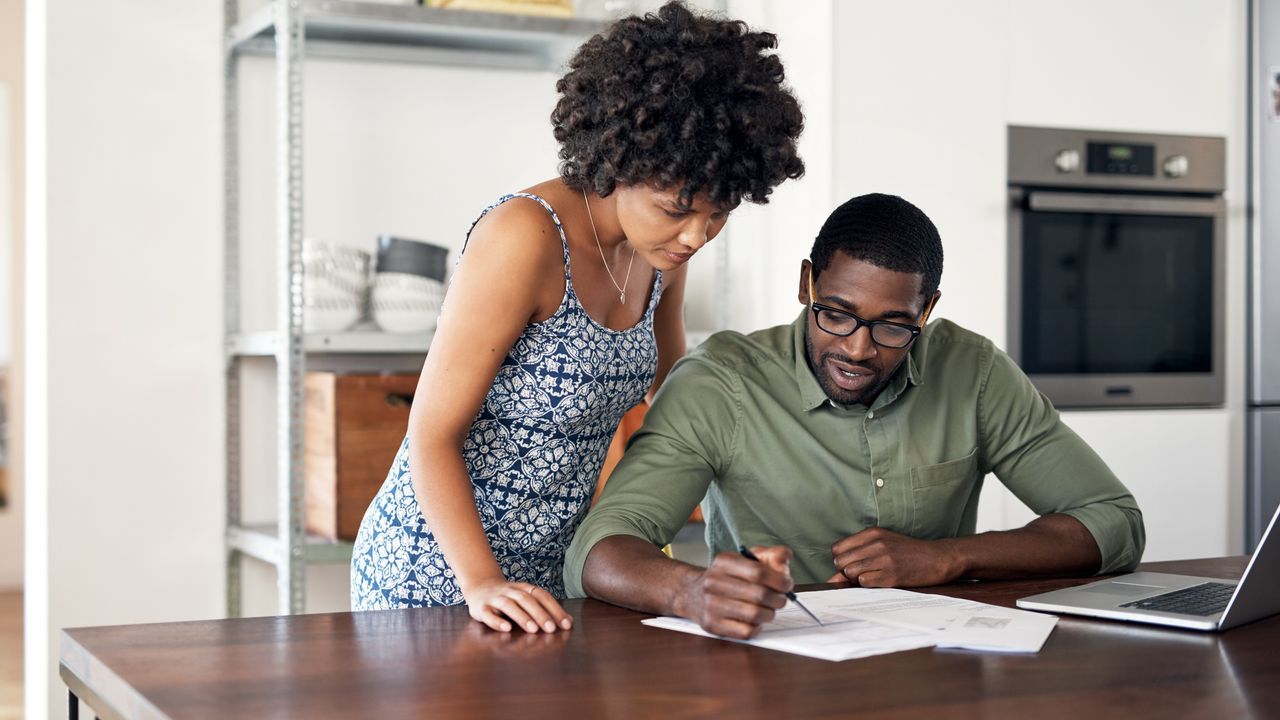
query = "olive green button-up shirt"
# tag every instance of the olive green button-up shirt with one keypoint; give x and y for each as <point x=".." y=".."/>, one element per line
<point x="742" y="426"/>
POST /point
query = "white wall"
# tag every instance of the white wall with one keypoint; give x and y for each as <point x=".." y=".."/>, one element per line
<point x="11" y="514"/>
<point x="7" y="193"/>
<point x="923" y="114"/>
<point x="11" y="218"/>
<point x="126" y="506"/>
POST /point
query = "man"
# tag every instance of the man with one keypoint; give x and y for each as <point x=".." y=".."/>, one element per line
<point x="853" y="441"/>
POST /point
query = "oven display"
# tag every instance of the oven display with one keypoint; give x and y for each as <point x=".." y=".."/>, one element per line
<point x="1121" y="159"/>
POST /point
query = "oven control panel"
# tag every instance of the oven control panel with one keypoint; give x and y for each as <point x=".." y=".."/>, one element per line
<point x="1101" y="159"/>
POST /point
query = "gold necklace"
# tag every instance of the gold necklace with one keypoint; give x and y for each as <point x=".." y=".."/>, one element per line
<point x="622" y="289"/>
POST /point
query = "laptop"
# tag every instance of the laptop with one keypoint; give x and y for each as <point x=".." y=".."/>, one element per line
<point x="1184" y="601"/>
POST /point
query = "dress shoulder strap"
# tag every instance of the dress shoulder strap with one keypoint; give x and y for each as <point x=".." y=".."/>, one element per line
<point x="564" y="243"/>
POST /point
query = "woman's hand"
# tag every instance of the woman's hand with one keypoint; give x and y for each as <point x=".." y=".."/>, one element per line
<point x="501" y="605"/>
<point x="479" y="641"/>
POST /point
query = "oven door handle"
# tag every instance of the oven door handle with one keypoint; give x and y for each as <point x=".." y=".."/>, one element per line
<point x="1122" y="204"/>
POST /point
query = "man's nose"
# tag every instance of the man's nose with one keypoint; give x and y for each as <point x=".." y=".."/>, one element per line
<point x="859" y="345"/>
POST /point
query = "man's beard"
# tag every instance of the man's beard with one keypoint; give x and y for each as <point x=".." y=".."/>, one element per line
<point x="817" y="367"/>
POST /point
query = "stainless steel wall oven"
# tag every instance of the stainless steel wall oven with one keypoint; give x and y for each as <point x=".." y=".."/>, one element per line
<point x="1116" y="266"/>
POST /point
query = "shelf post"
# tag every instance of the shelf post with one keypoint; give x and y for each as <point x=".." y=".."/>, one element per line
<point x="290" y="359"/>
<point x="231" y="293"/>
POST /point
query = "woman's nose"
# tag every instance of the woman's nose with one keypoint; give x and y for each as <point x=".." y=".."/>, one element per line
<point x="694" y="237"/>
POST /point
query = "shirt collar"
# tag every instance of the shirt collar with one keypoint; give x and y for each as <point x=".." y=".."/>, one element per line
<point x="812" y="394"/>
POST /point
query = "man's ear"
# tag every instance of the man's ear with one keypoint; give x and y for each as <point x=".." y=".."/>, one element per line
<point x="806" y="267"/>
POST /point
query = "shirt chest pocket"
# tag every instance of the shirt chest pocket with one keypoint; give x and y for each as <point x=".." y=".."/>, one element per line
<point x="939" y="495"/>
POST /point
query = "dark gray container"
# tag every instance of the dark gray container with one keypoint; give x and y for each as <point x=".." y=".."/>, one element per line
<point x="414" y="257"/>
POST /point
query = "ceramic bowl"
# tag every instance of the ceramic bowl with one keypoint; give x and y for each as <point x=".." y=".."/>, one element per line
<point x="406" y="303"/>
<point x="328" y="310"/>
<point x="335" y="285"/>
<point x="411" y="257"/>
<point x="345" y="267"/>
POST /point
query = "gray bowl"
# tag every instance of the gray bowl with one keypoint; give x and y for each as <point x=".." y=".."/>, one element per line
<point x="414" y="257"/>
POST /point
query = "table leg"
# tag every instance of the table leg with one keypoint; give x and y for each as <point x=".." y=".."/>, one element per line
<point x="73" y="706"/>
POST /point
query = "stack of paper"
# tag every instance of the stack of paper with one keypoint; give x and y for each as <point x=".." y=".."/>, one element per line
<point x="861" y="622"/>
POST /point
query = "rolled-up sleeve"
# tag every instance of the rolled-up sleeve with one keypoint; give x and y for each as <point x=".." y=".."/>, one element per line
<point x="1050" y="468"/>
<point x="687" y="437"/>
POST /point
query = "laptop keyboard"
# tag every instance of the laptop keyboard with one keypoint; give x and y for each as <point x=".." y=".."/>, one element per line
<point x="1203" y="599"/>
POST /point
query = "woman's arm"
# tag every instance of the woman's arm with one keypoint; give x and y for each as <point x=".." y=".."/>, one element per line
<point x="668" y="326"/>
<point x="500" y="286"/>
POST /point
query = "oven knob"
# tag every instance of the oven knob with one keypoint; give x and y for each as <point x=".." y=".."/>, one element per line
<point x="1067" y="161"/>
<point x="1176" y="166"/>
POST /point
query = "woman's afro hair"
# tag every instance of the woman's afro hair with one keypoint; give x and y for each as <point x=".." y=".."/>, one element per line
<point x="674" y="98"/>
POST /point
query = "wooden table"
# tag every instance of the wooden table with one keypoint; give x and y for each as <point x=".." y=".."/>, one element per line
<point x="438" y="663"/>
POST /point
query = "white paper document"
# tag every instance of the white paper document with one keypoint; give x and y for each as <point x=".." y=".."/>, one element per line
<point x="861" y="622"/>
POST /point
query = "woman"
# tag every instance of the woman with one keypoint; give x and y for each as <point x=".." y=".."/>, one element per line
<point x="565" y="310"/>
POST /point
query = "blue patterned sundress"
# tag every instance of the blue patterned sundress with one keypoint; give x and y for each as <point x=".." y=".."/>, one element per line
<point x="534" y="454"/>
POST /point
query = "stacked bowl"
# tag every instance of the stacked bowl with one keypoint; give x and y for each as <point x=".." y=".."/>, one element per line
<point x="408" y="287"/>
<point x="335" y="285"/>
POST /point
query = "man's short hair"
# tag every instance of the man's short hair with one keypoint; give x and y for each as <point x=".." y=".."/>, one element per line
<point x="887" y="232"/>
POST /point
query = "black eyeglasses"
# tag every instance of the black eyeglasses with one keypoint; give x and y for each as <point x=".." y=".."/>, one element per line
<point x="885" y="333"/>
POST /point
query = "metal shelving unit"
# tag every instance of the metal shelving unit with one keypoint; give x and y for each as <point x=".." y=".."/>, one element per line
<point x="290" y="31"/>
<point x="266" y="344"/>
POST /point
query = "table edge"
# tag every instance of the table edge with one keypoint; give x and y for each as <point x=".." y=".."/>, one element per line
<point x="100" y="687"/>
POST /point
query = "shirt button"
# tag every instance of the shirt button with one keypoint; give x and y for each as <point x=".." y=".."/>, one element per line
<point x="879" y="482"/>
<point x="871" y="414"/>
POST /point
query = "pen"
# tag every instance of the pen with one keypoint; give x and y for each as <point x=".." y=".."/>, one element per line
<point x="790" y="595"/>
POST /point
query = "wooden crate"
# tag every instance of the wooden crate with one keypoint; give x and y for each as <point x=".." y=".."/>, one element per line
<point x="354" y="426"/>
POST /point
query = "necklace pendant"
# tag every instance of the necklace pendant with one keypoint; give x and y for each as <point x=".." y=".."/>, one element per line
<point x="622" y="298"/>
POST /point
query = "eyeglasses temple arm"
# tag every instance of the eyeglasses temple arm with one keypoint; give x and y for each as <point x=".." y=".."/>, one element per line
<point x="923" y="318"/>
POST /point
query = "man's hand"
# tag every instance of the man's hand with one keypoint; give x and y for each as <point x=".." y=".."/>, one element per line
<point x="735" y="596"/>
<point x="876" y="557"/>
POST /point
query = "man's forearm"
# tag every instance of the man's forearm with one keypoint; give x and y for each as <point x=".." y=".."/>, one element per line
<point x="1049" y="545"/>
<point x="630" y="572"/>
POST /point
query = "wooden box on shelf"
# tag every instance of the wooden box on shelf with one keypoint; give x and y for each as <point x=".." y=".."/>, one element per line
<point x="354" y="426"/>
